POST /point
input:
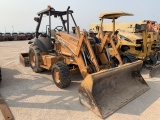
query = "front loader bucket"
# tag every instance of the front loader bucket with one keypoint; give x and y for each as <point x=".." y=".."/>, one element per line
<point x="107" y="91"/>
<point x="155" y="70"/>
<point x="24" y="59"/>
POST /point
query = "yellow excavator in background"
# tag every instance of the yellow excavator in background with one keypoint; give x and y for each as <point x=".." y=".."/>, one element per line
<point x="104" y="89"/>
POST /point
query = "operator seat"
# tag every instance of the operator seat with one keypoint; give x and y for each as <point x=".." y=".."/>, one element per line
<point x="53" y="33"/>
<point x="45" y="42"/>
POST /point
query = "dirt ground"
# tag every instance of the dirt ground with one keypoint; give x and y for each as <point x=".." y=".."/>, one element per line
<point x="33" y="96"/>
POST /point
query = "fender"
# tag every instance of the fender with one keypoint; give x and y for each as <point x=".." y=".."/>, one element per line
<point x="43" y="43"/>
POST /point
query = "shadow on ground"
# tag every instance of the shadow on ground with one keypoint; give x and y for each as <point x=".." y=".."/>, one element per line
<point x="33" y="91"/>
<point x="36" y="91"/>
<point x="140" y="104"/>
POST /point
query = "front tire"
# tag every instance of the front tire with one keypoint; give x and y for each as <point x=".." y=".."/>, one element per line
<point x="61" y="75"/>
<point x="150" y="61"/>
<point x="128" y="58"/>
<point x="34" y="58"/>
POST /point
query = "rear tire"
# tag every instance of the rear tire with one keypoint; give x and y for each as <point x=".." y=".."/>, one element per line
<point x="61" y="75"/>
<point x="150" y="62"/>
<point x="128" y="58"/>
<point x="34" y="58"/>
<point x="153" y="59"/>
<point x="158" y="56"/>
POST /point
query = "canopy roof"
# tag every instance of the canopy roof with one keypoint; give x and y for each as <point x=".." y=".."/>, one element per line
<point x="54" y="12"/>
<point x="111" y="15"/>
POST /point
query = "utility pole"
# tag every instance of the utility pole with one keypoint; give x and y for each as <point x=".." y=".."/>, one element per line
<point x="12" y="29"/>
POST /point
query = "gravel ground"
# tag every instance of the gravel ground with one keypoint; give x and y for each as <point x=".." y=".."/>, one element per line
<point x="33" y="96"/>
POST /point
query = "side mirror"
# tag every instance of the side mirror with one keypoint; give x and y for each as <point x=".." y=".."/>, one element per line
<point x="36" y="19"/>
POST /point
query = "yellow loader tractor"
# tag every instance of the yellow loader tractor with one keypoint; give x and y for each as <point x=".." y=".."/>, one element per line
<point x="104" y="89"/>
<point x="126" y="56"/>
<point x="131" y="45"/>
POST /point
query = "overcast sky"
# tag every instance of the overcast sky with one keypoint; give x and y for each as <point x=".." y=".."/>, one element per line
<point x="18" y="15"/>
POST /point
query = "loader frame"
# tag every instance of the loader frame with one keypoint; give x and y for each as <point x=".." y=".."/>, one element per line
<point x="76" y="47"/>
<point x="66" y="53"/>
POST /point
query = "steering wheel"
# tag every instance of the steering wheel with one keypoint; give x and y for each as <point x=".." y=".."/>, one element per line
<point x="58" y="28"/>
<point x="42" y="34"/>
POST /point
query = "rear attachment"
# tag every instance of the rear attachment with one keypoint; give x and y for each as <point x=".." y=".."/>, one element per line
<point x="107" y="91"/>
<point x="155" y="70"/>
<point x="5" y="110"/>
<point x="24" y="59"/>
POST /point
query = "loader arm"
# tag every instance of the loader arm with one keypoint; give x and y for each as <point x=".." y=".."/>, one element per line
<point x="74" y="45"/>
<point x="108" y="38"/>
<point x="71" y="42"/>
<point x="92" y="55"/>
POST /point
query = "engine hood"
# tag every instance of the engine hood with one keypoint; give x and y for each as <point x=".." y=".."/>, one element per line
<point x="132" y="36"/>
